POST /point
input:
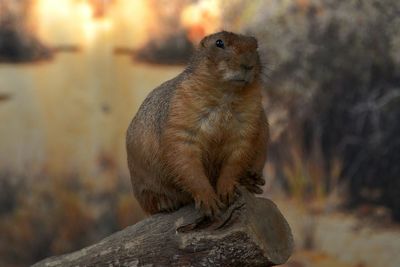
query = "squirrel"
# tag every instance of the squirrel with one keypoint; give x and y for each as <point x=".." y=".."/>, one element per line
<point x="200" y="135"/>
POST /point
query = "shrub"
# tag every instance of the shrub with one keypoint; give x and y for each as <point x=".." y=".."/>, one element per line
<point x="335" y="70"/>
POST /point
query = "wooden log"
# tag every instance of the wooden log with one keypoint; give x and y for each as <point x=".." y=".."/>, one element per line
<point x="251" y="232"/>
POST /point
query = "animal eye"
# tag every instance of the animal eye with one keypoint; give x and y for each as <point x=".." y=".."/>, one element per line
<point x="219" y="43"/>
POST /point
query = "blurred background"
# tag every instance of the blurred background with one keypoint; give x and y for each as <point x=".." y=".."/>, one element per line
<point x="74" y="72"/>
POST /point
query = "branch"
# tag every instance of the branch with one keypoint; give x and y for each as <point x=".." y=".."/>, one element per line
<point x="252" y="232"/>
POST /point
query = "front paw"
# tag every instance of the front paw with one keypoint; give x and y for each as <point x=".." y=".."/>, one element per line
<point x="209" y="204"/>
<point x="253" y="182"/>
<point x="226" y="190"/>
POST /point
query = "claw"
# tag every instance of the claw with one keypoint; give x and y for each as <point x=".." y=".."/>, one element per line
<point x="257" y="190"/>
<point x="226" y="189"/>
<point x="260" y="181"/>
<point x="253" y="182"/>
<point x="210" y="206"/>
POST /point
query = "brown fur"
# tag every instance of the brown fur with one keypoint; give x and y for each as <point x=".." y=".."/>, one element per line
<point x="199" y="135"/>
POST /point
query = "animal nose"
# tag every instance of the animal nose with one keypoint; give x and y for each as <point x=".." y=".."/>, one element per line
<point x="246" y="67"/>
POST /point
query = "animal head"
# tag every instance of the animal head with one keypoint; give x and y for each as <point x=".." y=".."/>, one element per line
<point x="230" y="58"/>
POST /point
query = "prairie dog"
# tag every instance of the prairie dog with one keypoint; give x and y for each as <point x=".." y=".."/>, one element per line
<point x="199" y="135"/>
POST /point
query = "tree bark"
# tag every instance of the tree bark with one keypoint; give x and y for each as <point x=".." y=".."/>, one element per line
<point x="251" y="232"/>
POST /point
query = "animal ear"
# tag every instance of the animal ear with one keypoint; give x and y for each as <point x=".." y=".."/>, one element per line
<point x="203" y="42"/>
